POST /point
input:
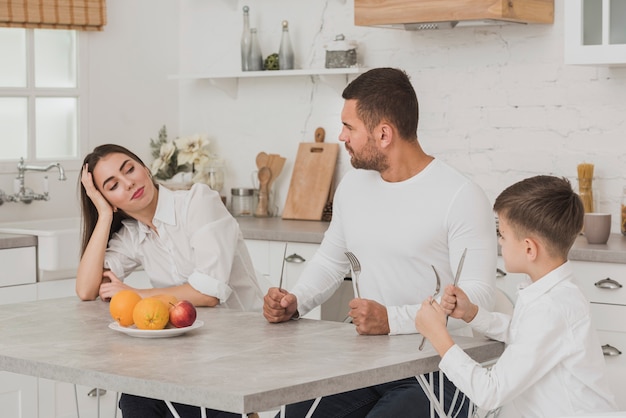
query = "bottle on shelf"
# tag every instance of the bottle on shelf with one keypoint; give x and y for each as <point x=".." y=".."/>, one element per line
<point x="255" y="59"/>
<point x="245" y="40"/>
<point x="285" y="52"/>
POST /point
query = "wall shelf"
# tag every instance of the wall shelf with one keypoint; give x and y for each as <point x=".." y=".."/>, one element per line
<point x="229" y="81"/>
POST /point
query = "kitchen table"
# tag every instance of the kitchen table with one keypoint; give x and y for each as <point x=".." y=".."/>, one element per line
<point x="235" y="362"/>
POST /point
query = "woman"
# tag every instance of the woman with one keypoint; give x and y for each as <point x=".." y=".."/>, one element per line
<point x="186" y="241"/>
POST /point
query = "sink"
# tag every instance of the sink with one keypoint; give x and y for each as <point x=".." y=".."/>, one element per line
<point x="58" y="246"/>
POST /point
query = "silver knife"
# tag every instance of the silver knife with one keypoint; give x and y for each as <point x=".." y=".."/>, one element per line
<point x="282" y="270"/>
<point x="458" y="274"/>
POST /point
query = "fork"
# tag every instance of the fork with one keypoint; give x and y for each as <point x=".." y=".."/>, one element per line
<point x="437" y="287"/>
<point x="355" y="265"/>
<point x="356" y="270"/>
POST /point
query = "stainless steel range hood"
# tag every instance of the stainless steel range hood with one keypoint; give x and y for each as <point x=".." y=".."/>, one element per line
<point x="448" y="14"/>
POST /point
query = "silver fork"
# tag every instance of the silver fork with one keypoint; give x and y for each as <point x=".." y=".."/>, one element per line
<point x="355" y="265"/>
<point x="356" y="270"/>
<point x="437" y="287"/>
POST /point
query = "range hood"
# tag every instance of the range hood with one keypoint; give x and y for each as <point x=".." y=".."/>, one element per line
<point x="447" y="14"/>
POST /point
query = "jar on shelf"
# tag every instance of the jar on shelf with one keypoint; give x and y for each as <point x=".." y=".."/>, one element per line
<point x="623" y="212"/>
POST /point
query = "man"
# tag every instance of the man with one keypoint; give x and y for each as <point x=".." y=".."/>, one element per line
<point x="401" y="212"/>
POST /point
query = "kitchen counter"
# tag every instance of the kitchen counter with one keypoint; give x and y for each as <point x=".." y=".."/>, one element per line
<point x="236" y="361"/>
<point x="17" y="241"/>
<point x="276" y="229"/>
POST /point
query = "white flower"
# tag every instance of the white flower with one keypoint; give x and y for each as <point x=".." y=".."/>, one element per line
<point x="166" y="152"/>
<point x="192" y="150"/>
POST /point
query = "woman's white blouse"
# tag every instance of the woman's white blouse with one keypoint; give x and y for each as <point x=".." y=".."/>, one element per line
<point x="198" y="242"/>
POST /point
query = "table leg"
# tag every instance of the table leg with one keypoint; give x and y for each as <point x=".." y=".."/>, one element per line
<point x="313" y="408"/>
<point x="172" y="410"/>
<point x="421" y="379"/>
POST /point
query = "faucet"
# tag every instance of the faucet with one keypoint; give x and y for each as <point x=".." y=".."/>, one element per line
<point x="24" y="194"/>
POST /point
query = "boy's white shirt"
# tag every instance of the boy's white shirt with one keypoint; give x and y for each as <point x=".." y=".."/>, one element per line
<point x="552" y="364"/>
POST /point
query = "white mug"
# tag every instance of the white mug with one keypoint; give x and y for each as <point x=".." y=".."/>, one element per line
<point x="597" y="227"/>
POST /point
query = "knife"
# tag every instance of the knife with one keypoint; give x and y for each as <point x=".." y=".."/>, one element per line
<point x="282" y="270"/>
<point x="458" y="274"/>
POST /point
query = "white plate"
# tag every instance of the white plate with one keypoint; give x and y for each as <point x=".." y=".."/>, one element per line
<point x="159" y="333"/>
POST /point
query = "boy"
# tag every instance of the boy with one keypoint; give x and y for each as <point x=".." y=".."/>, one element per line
<point x="552" y="364"/>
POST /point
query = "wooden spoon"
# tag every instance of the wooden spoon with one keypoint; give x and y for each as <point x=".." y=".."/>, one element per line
<point x="261" y="160"/>
<point x="265" y="175"/>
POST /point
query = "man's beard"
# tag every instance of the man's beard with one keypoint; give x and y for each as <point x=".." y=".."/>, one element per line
<point x="369" y="158"/>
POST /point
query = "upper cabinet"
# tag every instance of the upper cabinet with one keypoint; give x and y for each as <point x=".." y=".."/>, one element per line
<point x="595" y="32"/>
<point x="439" y="14"/>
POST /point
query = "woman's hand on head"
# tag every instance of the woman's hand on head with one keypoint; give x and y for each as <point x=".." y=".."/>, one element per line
<point x="102" y="205"/>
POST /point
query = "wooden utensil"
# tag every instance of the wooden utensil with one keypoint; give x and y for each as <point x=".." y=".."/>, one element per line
<point x="261" y="160"/>
<point x="276" y="166"/>
<point x="311" y="179"/>
<point x="265" y="175"/>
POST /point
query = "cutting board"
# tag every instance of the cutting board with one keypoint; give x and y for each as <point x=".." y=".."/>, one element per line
<point x="311" y="179"/>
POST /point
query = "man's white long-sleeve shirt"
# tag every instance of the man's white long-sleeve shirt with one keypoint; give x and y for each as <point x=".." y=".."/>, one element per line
<point x="553" y="363"/>
<point x="398" y="231"/>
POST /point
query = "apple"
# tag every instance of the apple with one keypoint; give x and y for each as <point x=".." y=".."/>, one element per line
<point x="182" y="314"/>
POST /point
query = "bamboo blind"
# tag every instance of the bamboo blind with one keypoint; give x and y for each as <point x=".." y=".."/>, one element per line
<point x="53" y="14"/>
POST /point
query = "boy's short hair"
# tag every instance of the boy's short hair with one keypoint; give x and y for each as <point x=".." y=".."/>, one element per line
<point x="546" y="206"/>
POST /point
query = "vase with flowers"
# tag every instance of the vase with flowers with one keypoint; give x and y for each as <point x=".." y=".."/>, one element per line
<point x="183" y="161"/>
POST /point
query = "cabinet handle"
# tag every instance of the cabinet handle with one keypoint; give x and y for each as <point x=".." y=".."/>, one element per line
<point x="295" y="258"/>
<point x="96" y="392"/>
<point x="500" y="273"/>
<point x="608" y="284"/>
<point x="609" y="350"/>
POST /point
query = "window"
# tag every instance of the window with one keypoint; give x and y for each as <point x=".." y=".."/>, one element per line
<point x="41" y="96"/>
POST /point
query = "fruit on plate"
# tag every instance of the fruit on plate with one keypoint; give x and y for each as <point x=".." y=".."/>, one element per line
<point x="182" y="314"/>
<point x="122" y="305"/>
<point x="151" y="313"/>
<point x="168" y="299"/>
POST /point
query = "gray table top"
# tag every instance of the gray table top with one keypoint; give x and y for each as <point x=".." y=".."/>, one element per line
<point x="235" y="362"/>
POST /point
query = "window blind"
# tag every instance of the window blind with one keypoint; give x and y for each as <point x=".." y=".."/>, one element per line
<point x="53" y="14"/>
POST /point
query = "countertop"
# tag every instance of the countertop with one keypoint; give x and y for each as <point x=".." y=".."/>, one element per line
<point x="276" y="229"/>
<point x="17" y="241"/>
<point x="236" y="361"/>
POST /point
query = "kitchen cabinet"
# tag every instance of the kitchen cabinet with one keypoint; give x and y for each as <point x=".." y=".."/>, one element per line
<point x="19" y="266"/>
<point x="58" y="400"/>
<point x="440" y="14"/>
<point x="594" y="32"/>
<point x="602" y="284"/>
<point x="229" y="81"/>
<point x="18" y="395"/>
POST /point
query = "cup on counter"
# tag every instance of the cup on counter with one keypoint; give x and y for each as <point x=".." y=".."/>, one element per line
<point x="597" y="227"/>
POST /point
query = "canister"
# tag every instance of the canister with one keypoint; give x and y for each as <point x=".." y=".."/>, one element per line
<point x="340" y="53"/>
<point x="243" y="201"/>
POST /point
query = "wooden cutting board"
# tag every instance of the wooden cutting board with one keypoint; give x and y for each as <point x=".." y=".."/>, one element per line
<point x="311" y="179"/>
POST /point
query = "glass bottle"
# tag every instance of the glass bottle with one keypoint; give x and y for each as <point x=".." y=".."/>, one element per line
<point x="285" y="52"/>
<point x="623" y="212"/>
<point x="245" y="40"/>
<point x="255" y="60"/>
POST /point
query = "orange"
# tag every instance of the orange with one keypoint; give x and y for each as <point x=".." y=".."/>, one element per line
<point x="122" y="305"/>
<point x="169" y="300"/>
<point x="151" y="313"/>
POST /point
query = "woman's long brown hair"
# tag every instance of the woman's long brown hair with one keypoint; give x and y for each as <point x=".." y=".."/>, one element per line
<point x="88" y="209"/>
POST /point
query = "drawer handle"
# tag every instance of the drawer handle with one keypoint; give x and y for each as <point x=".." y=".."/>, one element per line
<point x="96" y="392"/>
<point x="609" y="350"/>
<point x="500" y="273"/>
<point x="295" y="258"/>
<point x="608" y="284"/>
